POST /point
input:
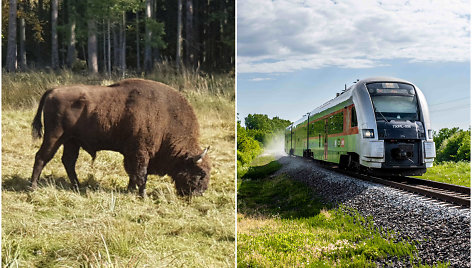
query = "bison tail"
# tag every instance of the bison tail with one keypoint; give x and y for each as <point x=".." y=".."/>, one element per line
<point x="37" y="125"/>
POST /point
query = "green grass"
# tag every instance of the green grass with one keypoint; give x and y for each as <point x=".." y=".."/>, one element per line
<point x="449" y="172"/>
<point x="103" y="226"/>
<point x="282" y="223"/>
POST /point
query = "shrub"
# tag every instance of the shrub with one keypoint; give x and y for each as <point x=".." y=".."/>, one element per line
<point x="247" y="147"/>
<point x="455" y="148"/>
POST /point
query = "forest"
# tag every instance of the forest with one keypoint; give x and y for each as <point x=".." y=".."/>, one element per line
<point x="118" y="36"/>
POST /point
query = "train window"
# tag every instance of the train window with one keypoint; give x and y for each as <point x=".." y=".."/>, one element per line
<point x="394" y="101"/>
<point x="395" y="107"/>
<point x="335" y="123"/>
<point x="311" y="130"/>
<point x="353" y="117"/>
<point x="318" y="127"/>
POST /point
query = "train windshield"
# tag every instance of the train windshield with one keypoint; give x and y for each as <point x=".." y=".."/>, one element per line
<point x="394" y="101"/>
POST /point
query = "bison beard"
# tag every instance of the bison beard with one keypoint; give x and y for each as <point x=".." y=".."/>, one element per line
<point x="151" y="124"/>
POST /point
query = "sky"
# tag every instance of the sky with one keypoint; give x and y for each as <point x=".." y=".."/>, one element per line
<point x="295" y="55"/>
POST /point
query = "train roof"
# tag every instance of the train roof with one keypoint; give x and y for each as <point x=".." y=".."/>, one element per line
<point x="346" y="94"/>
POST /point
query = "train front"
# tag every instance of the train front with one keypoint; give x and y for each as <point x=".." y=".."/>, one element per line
<point x="401" y="142"/>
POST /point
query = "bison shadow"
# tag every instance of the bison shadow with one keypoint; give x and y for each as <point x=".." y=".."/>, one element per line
<point x="262" y="194"/>
<point x="18" y="183"/>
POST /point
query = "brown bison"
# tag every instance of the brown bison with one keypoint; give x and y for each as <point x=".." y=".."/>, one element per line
<point x="151" y="124"/>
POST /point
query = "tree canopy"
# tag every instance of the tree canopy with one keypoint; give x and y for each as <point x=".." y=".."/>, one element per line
<point x="452" y="145"/>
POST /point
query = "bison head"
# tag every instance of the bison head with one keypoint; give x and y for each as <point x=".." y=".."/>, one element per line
<point x="194" y="176"/>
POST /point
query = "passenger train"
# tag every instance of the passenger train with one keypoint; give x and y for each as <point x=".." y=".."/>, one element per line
<point x="380" y="125"/>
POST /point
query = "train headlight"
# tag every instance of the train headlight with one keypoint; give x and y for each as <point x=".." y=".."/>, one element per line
<point x="430" y="134"/>
<point x="368" y="133"/>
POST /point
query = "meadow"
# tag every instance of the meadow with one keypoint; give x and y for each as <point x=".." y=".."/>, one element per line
<point x="283" y="223"/>
<point x="102" y="225"/>
<point x="449" y="172"/>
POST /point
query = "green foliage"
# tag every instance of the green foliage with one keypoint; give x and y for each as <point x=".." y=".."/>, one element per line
<point x="259" y="172"/>
<point x="264" y="123"/>
<point x="213" y="30"/>
<point x="257" y="134"/>
<point x="455" y="147"/>
<point x="261" y="128"/>
<point x="158" y="31"/>
<point x="444" y="133"/>
<point x="258" y="121"/>
<point x="247" y="147"/>
<point x="463" y="153"/>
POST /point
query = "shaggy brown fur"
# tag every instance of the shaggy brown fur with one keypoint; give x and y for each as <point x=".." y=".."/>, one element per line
<point x="151" y="124"/>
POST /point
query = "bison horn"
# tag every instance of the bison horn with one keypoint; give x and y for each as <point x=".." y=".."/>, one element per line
<point x="198" y="158"/>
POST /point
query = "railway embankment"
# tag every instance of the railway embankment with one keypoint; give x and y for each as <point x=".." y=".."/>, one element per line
<point x="441" y="232"/>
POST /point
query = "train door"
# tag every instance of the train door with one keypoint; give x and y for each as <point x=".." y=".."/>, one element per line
<point x="326" y="140"/>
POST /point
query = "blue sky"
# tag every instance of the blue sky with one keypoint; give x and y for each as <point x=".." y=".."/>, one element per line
<point x="295" y="55"/>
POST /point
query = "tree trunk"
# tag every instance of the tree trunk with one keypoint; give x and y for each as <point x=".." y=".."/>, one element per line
<point x="11" y="47"/>
<point x="179" y="34"/>
<point x="123" y="46"/>
<point x="116" y="49"/>
<point x="104" y="33"/>
<point x="71" y="53"/>
<point x="92" y="47"/>
<point x="22" y="45"/>
<point x="109" y="47"/>
<point x="189" y="34"/>
<point x="147" y="48"/>
<point x="54" y="42"/>
<point x="196" y="37"/>
<point x="138" y="58"/>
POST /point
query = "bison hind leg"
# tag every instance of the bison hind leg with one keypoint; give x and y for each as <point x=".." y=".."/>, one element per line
<point x="43" y="156"/>
<point x="69" y="158"/>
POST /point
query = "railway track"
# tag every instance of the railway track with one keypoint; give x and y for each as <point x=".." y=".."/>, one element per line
<point x="454" y="194"/>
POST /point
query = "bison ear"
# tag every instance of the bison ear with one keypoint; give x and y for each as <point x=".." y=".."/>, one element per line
<point x="199" y="158"/>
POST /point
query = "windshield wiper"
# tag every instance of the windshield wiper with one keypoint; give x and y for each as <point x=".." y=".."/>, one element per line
<point x="375" y="111"/>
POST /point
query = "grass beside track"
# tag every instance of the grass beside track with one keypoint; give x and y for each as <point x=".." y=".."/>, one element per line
<point x="457" y="173"/>
<point x="103" y="226"/>
<point x="282" y="223"/>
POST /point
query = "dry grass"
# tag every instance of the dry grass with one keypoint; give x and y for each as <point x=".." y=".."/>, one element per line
<point x="103" y="226"/>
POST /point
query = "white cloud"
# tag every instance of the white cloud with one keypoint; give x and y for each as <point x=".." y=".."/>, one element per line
<point x="258" y="79"/>
<point x="289" y="35"/>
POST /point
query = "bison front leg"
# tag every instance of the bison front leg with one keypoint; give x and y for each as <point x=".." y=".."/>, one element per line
<point x="132" y="183"/>
<point x="69" y="158"/>
<point x="136" y="167"/>
<point x="141" y="181"/>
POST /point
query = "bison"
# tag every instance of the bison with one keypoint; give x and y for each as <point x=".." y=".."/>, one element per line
<point x="152" y="125"/>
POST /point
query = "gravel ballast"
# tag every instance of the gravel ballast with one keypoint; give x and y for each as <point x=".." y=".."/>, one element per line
<point x="441" y="232"/>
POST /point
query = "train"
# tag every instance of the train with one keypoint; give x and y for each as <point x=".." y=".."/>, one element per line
<point x="378" y="125"/>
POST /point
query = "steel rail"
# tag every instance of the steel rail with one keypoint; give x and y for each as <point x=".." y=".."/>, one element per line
<point x="450" y="193"/>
